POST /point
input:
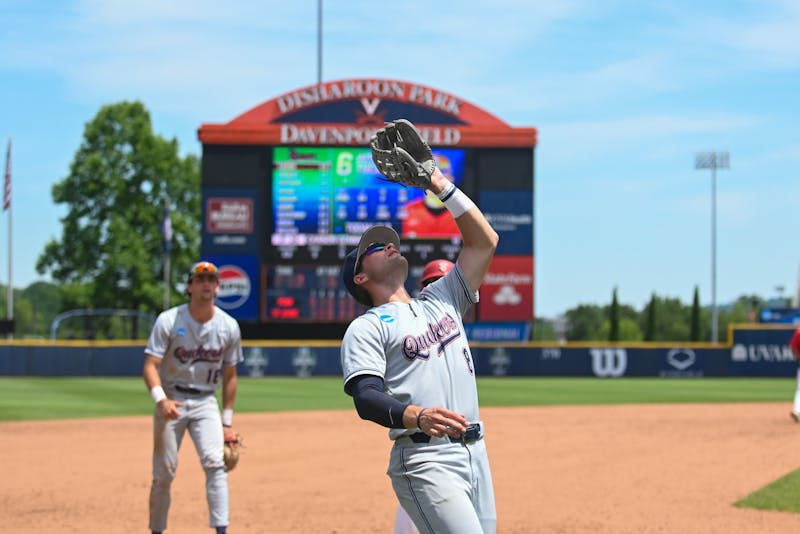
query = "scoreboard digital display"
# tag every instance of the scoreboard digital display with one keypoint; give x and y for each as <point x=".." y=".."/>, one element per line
<point x="323" y="197"/>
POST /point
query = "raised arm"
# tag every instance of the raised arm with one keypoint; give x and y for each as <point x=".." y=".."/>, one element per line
<point x="479" y="238"/>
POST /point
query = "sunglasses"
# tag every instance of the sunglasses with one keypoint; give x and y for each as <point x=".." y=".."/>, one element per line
<point x="371" y="249"/>
<point x="204" y="267"/>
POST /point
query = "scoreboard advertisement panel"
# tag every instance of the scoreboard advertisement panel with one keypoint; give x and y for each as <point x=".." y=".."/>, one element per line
<point x="289" y="186"/>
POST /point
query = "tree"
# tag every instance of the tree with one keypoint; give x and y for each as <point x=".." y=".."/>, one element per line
<point x="585" y="322"/>
<point x="543" y="331"/>
<point x="694" y="329"/>
<point x="650" y="324"/>
<point x="45" y="299"/>
<point x="111" y="251"/>
<point x="738" y="312"/>
<point x="628" y="330"/>
<point x="613" y="331"/>
<point x="34" y="309"/>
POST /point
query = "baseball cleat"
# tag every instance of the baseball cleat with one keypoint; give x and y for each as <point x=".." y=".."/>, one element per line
<point x="795" y="416"/>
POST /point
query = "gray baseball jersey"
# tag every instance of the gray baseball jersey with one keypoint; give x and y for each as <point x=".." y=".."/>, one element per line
<point x="194" y="354"/>
<point x="420" y="349"/>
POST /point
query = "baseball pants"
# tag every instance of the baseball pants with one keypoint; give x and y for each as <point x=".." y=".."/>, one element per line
<point x="445" y="487"/>
<point x="200" y="416"/>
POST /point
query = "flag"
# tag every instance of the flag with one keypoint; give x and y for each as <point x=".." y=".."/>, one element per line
<point x="166" y="229"/>
<point x="7" y="189"/>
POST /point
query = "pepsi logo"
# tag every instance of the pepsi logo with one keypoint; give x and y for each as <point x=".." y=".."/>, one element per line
<point x="234" y="287"/>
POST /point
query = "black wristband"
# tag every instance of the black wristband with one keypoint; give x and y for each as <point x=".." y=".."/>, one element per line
<point x="420" y="415"/>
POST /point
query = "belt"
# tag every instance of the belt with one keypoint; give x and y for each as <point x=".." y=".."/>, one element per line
<point x="191" y="391"/>
<point x="473" y="433"/>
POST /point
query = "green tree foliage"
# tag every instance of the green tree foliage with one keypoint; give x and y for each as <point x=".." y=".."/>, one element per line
<point x="628" y="330"/>
<point x="661" y="320"/>
<point x="694" y="328"/>
<point x="584" y="322"/>
<point x="45" y="302"/>
<point x="588" y="322"/>
<point x="665" y="319"/>
<point x="34" y="309"/>
<point x="741" y="311"/>
<point x="110" y="254"/>
<point x="613" y="317"/>
<point x="543" y="331"/>
<point x="650" y="320"/>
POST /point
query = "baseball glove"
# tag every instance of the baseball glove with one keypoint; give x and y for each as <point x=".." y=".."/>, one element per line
<point x="402" y="155"/>
<point x="232" y="447"/>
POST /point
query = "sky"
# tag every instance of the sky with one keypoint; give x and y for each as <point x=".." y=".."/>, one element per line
<point x="623" y="93"/>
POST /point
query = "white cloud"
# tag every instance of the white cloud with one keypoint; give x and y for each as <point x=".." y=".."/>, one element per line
<point x="630" y="134"/>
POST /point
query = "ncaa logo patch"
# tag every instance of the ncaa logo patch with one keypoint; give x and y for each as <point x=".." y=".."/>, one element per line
<point x="234" y="287"/>
<point x="387" y="318"/>
<point x="181" y="331"/>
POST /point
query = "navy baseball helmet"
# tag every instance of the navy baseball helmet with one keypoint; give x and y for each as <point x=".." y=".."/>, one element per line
<point x="352" y="262"/>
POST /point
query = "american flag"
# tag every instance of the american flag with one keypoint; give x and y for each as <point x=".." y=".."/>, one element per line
<point x="7" y="190"/>
<point x="166" y="229"/>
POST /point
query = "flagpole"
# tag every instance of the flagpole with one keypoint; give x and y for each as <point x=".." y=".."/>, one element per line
<point x="10" y="289"/>
<point x="166" y="231"/>
<point x="7" y="205"/>
<point x="166" y="279"/>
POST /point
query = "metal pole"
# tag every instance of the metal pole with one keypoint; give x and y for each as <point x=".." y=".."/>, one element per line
<point x="714" y="310"/>
<point x="10" y="288"/>
<point x="166" y="230"/>
<point x="166" y="279"/>
<point x="713" y="160"/>
<point x="319" y="42"/>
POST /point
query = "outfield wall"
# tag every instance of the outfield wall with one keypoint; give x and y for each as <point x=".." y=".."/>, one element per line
<point x="758" y="351"/>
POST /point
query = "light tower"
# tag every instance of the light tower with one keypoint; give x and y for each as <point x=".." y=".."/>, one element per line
<point x="713" y="160"/>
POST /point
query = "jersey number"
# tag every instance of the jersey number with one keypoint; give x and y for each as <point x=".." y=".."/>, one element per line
<point x="213" y="376"/>
<point x="469" y="362"/>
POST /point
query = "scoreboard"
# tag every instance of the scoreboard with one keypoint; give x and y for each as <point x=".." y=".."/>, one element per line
<point x="289" y="186"/>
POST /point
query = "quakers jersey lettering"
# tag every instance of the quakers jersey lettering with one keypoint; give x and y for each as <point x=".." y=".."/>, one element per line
<point x="419" y="348"/>
<point x="193" y="354"/>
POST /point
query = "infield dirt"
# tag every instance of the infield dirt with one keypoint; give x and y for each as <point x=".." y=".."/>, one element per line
<point x="662" y="468"/>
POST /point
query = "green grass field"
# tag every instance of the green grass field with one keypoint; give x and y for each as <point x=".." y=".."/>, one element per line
<point x="28" y="398"/>
<point x="780" y="495"/>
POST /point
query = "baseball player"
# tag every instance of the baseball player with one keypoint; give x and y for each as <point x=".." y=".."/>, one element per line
<point x="794" y="344"/>
<point x="432" y="272"/>
<point x="408" y="366"/>
<point x="192" y="348"/>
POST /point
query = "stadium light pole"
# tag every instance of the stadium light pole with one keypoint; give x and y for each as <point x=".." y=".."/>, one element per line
<point x="713" y="160"/>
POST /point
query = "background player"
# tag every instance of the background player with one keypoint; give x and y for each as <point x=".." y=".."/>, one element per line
<point x="190" y="348"/>
<point x="433" y="271"/>
<point x="408" y="366"/>
<point x="794" y="344"/>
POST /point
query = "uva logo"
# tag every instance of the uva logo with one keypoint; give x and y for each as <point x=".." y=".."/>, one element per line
<point x="234" y="287"/>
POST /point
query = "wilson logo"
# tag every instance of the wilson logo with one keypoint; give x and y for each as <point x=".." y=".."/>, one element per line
<point x="609" y="362"/>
